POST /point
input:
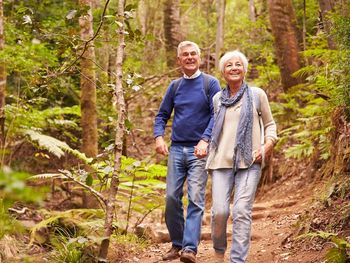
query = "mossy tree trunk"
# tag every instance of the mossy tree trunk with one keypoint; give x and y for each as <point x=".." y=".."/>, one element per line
<point x="88" y="84"/>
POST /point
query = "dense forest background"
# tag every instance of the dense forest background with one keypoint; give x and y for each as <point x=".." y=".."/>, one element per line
<point x="80" y="84"/>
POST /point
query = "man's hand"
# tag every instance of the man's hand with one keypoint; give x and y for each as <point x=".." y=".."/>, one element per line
<point x="161" y="146"/>
<point x="201" y="149"/>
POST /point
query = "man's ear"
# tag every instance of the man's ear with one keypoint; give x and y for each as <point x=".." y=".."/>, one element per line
<point x="178" y="61"/>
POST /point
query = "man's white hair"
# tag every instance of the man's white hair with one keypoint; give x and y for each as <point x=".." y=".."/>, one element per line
<point x="233" y="54"/>
<point x="185" y="44"/>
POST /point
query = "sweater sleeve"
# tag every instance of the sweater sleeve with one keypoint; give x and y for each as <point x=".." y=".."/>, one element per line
<point x="269" y="123"/>
<point x="213" y="89"/>
<point x="164" y="112"/>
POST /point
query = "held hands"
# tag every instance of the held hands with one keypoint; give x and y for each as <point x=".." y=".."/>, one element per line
<point x="161" y="146"/>
<point x="201" y="149"/>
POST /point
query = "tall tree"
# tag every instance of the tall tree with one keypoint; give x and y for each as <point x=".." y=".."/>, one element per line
<point x="252" y="11"/>
<point x="220" y="9"/>
<point x="120" y="131"/>
<point x="283" y="24"/>
<point x="327" y="6"/>
<point x="172" y="32"/>
<point x="88" y="83"/>
<point x="2" y="80"/>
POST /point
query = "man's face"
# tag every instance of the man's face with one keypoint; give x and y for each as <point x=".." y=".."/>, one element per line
<point x="189" y="60"/>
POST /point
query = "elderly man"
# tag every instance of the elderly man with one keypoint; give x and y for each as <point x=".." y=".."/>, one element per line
<point x="191" y="99"/>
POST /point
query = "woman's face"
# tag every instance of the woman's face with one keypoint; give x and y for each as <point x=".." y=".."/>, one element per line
<point x="234" y="71"/>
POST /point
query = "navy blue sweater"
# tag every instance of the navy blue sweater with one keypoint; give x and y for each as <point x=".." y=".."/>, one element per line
<point x="193" y="111"/>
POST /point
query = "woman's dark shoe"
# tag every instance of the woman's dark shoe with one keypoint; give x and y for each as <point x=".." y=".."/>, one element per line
<point x="188" y="256"/>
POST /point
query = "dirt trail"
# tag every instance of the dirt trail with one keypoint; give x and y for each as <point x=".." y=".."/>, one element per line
<point x="274" y="216"/>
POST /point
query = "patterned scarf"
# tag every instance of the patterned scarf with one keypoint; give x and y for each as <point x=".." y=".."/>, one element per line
<point x="243" y="147"/>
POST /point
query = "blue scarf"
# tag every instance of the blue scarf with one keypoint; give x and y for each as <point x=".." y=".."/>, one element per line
<point x="243" y="146"/>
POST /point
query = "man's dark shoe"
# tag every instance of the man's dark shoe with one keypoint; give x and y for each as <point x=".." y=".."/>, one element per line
<point x="188" y="256"/>
<point x="173" y="253"/>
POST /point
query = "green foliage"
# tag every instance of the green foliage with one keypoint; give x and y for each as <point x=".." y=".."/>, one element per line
<point x="13" y="188"/>
<point x="38" y="39"/>
<point x="26" y="121"/>
<point x="74" y="250"/>
<point x="341" y="31"/>
<point x="28" y="116"/>
<point x="311" y="15"/>
<point x="69" y="223"/>
<point x="55" y="146"/>
<point x="327" y="87"/>
<point x="8" y="224"/>
<point x="141" y="187"/>
<point x="73" y="234"/>
<point x="308" y="123"/>
<point x="340" y="251"/>
<point x="129" y="240"/>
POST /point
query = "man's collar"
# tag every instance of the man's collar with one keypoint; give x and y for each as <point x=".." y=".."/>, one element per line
<point x="195" y="75"/>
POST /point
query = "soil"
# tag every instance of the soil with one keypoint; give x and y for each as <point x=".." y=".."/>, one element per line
<point x="276" y="215"/>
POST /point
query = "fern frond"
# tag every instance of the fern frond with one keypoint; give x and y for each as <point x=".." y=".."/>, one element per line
<point x="55" y="146"/>
<point x="305" y="71"/>
<point x="48" y="176"/>
<point x="321" y="234"/>
<point x="49" y="143"/>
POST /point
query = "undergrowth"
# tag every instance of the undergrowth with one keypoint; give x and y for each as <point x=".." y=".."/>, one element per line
<point x="327" y="222"/>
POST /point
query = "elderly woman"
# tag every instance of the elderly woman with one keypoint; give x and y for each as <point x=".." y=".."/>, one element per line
<point x="244" y="132"/>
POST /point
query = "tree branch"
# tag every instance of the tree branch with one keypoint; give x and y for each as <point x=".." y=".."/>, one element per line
<point x="101" y="199"/>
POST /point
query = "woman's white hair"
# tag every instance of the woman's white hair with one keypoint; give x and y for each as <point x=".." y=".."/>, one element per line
<point x="187" y="43"/>
<point x="233" y="54"/>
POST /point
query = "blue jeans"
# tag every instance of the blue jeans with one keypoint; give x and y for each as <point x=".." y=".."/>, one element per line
<point x="244" y="182"/>
<point x="182" y="165"/>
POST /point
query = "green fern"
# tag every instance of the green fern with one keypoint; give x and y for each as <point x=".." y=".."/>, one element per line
<point x="55" y="146"/>
<point x="49" y="143"/>
<point x="337" y="254"/>
<point x="74" y="217"/>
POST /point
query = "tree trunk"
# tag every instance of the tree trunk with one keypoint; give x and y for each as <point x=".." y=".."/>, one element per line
<point x="254" y="36"/>
<point x="220" y="9"/>
<point x="142" y="13"/>
<point x="326" y="6"/>
<point x="252" y="11"/>
<point x="284" y="30"/>
<point x="171" y="30"/>
<point x="148" y="11"/>
<point x="304" y="25"/>
<point x="2" y="80"/>
<point x="88" y="84"/>
<point x="120" y="131"/>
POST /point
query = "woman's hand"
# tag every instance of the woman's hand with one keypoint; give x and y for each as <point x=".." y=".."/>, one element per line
<point x="257" y="155"/>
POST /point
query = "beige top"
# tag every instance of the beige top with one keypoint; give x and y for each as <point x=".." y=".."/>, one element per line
<point x="223" y="156"/>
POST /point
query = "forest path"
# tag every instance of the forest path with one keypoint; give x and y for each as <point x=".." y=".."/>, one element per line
<point x="275" y="214"/>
